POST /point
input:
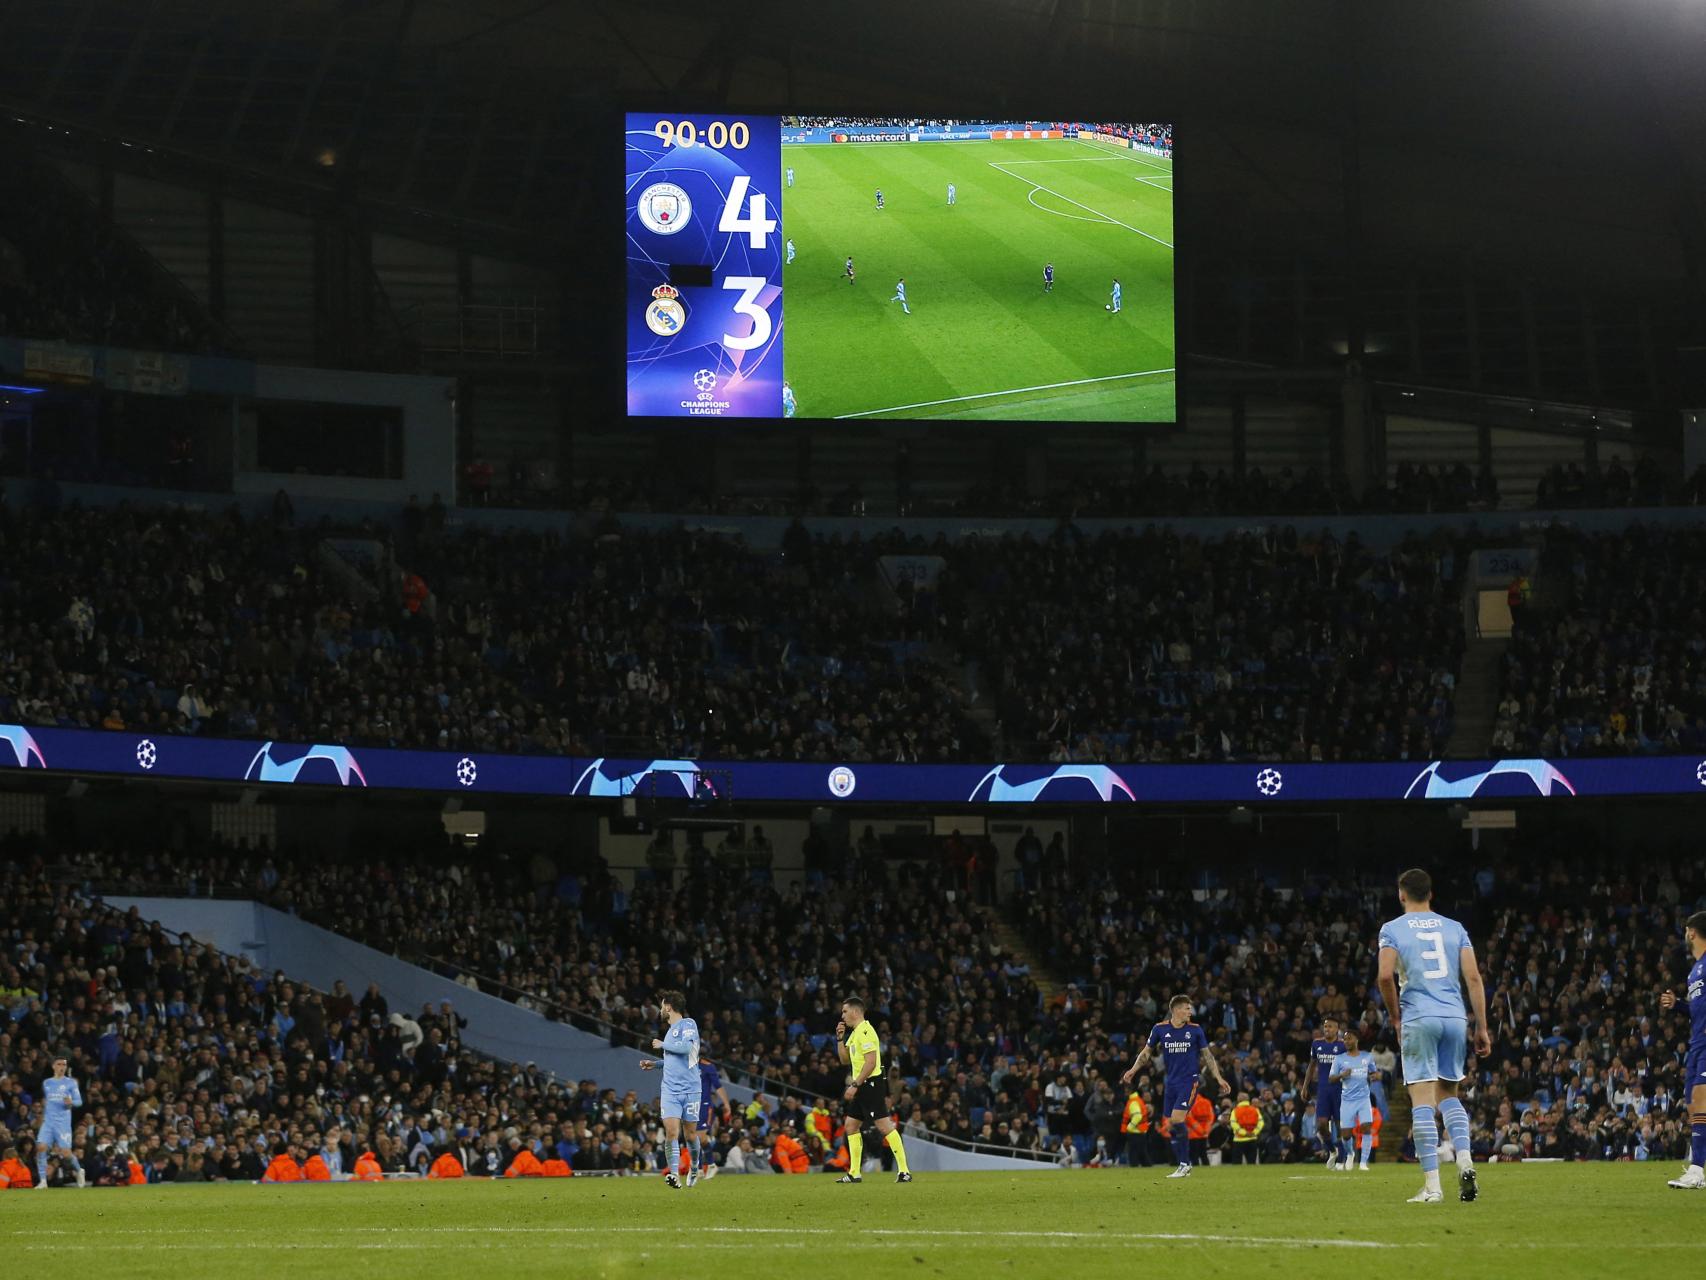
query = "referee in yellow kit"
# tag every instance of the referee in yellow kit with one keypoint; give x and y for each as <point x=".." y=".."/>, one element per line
<point x="857" y="1046"/>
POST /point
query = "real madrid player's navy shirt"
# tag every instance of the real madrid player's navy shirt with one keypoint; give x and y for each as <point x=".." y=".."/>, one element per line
<point x="1181" y="1048"/>
<point x="1697" y="1010"/>
<point x="1324" y="1052"/>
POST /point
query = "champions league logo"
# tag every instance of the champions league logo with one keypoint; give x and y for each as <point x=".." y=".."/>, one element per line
<point x="23" y="746"/>
<point x="665" y="315"/>
<point x="594" y="781"/>
<point x="995" y="788"/>
<point x="664" y="208"/>
<point x="705" y="403"/>
<point x="264" y="768"/>
<point x="1541" y="774"/>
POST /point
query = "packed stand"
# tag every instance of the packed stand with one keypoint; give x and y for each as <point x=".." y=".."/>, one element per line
<point x="764" y="966"/>
<point x="1605" y="650"/>
<point x="1154" y="647"/>
<point x="195" y="1066"/>
<point x="1575" y="950"/>
<point x="621" y="642"/>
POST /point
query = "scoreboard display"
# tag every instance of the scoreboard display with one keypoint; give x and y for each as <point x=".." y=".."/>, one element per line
<point x="900" y="269"/>
<point x="704" y="267"/>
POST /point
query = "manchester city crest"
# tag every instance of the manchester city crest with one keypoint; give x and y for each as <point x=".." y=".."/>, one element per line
<point x="664" y="315"/>
<point x="664" y="208"/>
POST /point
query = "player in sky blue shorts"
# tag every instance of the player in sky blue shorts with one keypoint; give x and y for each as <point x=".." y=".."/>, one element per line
<point x="678" y="1098"/>
<point x="1426" y="960"/>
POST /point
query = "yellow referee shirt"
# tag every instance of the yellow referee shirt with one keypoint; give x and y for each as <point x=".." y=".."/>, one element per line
<point x="860" y="1041"/>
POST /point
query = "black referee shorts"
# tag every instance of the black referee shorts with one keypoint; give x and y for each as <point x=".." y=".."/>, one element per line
<point x="871" y="1102"/>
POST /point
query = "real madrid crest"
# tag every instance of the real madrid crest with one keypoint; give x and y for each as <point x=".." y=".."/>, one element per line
<point x="664" y="314"/>
<point x="664" y="208"/>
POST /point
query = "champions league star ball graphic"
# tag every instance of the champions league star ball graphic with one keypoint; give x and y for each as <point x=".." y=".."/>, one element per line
<point x="467" y="773"/>
<point x="1269" y="782"/>
<point x="146" y="754"/>
<point x="705" y="380"/>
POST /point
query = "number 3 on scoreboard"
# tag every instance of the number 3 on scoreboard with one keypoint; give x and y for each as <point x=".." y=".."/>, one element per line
<point x="750" y="287"/>
<point x="757" y="226"/>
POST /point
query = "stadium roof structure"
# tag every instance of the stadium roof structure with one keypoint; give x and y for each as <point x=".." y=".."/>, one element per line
<point x="1552" y="139"/>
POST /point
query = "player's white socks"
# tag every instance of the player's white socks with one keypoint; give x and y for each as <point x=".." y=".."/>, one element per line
<point x="1430" y="1182"/>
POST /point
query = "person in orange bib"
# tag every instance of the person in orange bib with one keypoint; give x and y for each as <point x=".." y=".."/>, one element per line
<point x="524" y="1165"/>
<point x="555" y="1168"/>
<point x="367" y="1168"/>
<point x="314" y="1169"/>
<point x="14" y="1173"/>
<point x="446" y="1166"/>
<point x="283" y="1168"/>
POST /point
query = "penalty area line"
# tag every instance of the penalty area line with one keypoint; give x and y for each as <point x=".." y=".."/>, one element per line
<point x="1037" y="186"/>
<point x="1013" y="391"/>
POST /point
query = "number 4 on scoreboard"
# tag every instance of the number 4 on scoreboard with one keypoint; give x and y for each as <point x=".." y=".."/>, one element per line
<point x="756" y="226"/>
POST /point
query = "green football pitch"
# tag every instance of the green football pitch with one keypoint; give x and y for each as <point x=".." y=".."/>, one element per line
<point x="1531" y="1221"/>
<point x="983" y="340"/>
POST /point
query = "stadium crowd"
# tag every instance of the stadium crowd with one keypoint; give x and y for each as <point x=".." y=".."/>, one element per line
<point x="683" y="643"/>
<point x="1576" y="946"/>
<point x="1151" y="646"/>
<point x="1606" y="653"/>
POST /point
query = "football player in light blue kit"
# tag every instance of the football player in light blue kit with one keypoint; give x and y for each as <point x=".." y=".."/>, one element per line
<point x="900" y="295"/>
<point x="1694" y="933"/>
<point x="59" y="1094"/>
<point x="789" y="407"/>
<point x="1425" y="962"/>
<point x="790" y="249"/>
<point x="1354" y="1071"/>
<point x="1114" y="306"/>
<point x="790" y="175"/>
<point x="950" y="195"/>
<point x="679" y="1094"/>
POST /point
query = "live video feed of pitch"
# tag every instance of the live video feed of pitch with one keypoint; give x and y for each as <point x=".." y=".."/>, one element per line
<point x="869" y="269"/>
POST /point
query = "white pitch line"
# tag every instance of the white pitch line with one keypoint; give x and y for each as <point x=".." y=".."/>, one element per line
<point x="1152" y="182"/>
<point x="1037" y="186"/>
<point x="1015" y="391"/>
<point x="1125" y="154"/>
<point x="1076" y="217"/>
<point x="1074" y="160"/>
<point x="923" y="1234"/>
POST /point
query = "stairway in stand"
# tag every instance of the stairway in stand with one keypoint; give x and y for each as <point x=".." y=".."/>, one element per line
<point x="1013" y="944"/>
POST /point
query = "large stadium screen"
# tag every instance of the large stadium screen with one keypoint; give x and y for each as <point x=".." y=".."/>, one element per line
<point x="840" y="267"/>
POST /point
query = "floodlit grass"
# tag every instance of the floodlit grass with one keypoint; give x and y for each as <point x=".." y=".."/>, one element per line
<point x="983" y="340"/>
<point x="1532" y="1221"/>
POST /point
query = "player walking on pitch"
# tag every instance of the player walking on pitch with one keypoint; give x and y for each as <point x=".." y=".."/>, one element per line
<point x="900" y="295"/>
<point x="790" y="249"/>
<point x="59" y="1094"/>
<point x="1114" y="306"/>
<point x="849" y="269"/>
<point x="790" y="175"/>
<point x="1694" y="1177"/>
<point x="950" y="195"/>
<point x="789" y="405"/>
<point x="1184" y="1050"/>
<point x="1353" y="1072"/>
<point x="1425" y="962"/>
<point x="856" y="1044"/>
<point x="1324" y="1050"/>
<point x="1048" y="277"/>
<point x="679" y="1092"/>
<point x="879" y="198"/>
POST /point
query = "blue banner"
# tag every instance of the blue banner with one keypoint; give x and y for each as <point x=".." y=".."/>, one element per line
<point x="91" y="751"/>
